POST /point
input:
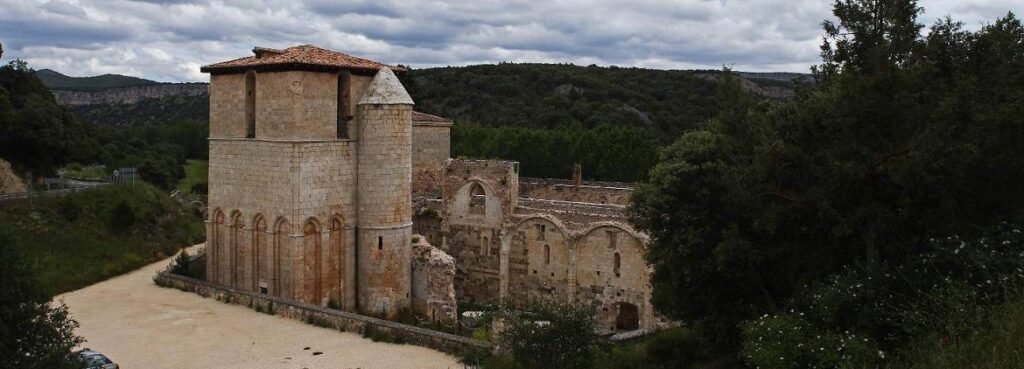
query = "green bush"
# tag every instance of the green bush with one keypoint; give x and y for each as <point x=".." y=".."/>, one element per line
<point x="861" y="316"/>
<point x="675" y="348"/>
<point x="550" y="335"/>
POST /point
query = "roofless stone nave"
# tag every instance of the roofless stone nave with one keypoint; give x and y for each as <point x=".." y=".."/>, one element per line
<point x="320" y="173"/>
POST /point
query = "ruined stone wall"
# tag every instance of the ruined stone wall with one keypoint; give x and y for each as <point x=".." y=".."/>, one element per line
<point x="575" y="214"/>
<point x="478" y="258"/>
<point x="473" y="224"/>
<point x="431" y="146"/>
<point x="589" y="192"/>
<point x="610" y="271"/>
<point x="433" y="276"/>
<point x="539" y="262"/>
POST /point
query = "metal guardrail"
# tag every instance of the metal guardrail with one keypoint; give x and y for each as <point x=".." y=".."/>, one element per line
<point x="26" y="195"/>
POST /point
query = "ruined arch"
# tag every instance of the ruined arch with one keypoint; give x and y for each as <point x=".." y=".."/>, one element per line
<point x="539" y="261"/>
<point x="619" y="226"/>
<point x="281" y="281"/>
<point x="215" y="246"/>
<point x="611" y="270"/>
<point x="477" y="199"/>
<point x="261" y="255"/>
<point x="312" y="262"/>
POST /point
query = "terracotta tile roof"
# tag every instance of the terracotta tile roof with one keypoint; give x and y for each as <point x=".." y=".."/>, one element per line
<point x="297" y="57"/>
<point x="424" y="117"/>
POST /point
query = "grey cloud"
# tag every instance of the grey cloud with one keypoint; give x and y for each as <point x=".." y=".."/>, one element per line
<point x="170" y="39"/>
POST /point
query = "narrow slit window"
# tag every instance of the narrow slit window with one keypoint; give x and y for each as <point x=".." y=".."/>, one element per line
<point x="250" y="105"/>
<point x="547" y="254"/>
<point x="618" y="264"/>
<point x="380" y="242"/>
<point x="344" y="105"/>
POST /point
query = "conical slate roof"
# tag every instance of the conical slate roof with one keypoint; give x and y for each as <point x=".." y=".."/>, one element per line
<point x="386" y="89"/>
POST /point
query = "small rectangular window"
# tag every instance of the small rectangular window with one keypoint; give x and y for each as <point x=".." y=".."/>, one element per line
<point x="541" y="229"/>
<point x="380" y="243"/>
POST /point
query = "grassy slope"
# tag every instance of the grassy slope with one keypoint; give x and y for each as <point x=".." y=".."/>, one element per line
<point x="86" y="237"/>
<point x="195" y="172"/>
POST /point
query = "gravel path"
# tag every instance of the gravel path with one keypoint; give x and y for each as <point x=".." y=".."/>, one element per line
<point x="140" y="325"/>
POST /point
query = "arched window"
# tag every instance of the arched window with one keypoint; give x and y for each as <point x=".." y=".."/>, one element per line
<point x="260" y="270"/>
<point x="547" y="254"/>
<point x="313" y="263"/>
<point x="250" y="104"/>
<point x="618" y="263"/>
<point x="344" y="105"/>
<point x="477" y="199"/>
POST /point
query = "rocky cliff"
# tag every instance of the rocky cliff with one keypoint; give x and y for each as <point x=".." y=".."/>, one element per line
<point x="129" y="95"/>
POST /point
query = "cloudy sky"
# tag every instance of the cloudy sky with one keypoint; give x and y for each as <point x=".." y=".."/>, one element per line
<point x="168" y="40"/>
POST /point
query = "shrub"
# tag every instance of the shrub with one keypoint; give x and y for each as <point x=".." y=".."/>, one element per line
<point x="181" y="265"/>
<point x="550" y="335"/>
<point x="859" y="315"/>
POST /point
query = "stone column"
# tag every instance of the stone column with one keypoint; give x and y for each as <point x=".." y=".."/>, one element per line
<point x="506" y="245"/>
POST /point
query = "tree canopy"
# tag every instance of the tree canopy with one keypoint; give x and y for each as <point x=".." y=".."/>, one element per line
<point x="903" y="138"/>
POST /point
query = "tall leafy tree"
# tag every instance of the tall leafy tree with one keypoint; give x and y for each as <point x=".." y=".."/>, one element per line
<point x="903" y="138"/>
<point x="33" y="332"/>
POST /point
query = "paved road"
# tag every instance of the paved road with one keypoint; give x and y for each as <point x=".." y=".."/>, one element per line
<point x="140" y="325"/>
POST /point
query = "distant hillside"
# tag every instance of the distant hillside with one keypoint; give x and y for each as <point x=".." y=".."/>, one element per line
<point x="58" y="81"/>
<point x="118" y="100"/>
<point x="663" y="102"/>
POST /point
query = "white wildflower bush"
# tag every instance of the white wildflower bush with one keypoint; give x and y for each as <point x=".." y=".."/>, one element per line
<point x="860" y="316"/>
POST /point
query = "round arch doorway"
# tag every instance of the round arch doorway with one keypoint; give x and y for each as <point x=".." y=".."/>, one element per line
<point x="627" y="316"/>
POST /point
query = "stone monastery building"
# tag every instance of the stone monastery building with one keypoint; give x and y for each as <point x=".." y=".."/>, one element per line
<point x="321" y="173"/>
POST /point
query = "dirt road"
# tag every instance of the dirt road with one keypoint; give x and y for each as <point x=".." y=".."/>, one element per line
<point x="141" y="325"/>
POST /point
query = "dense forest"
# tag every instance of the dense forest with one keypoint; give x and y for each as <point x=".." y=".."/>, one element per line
<point x="546" y="116"/>
<point x="40" y="136"/>
<point x="611" y="120"/>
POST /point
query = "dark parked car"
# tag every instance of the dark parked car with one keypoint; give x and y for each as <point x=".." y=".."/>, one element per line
<point x="95" y="360"/>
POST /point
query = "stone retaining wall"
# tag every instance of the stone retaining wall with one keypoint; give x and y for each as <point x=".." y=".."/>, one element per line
<point x="328" y="318"/>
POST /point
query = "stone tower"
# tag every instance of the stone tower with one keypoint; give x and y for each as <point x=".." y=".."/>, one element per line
<point x="309" y="178"/>
<point x="384" y="195"/>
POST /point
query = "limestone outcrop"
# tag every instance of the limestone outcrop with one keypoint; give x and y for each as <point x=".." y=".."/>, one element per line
<point x="129" y="95"/>
<point x="9" y="182"/>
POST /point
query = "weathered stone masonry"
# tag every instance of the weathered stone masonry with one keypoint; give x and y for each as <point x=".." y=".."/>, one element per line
<point x="320" y="171"/>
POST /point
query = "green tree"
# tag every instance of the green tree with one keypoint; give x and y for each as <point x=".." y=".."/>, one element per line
<point x="33" y="332"/>
<point x="904" y="138"/>
<point x="550" y="335"/>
